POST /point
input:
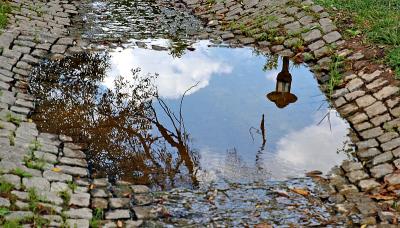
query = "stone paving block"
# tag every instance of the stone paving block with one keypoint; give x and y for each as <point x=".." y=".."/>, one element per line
<point x="118" y="214"/>
<point x="357" y="118"/>
<point x="393" y="179"/>
<point x="354" y="95"/>
<point x="369" y="184"/>
<point x="80" y="199"/>
<point x="378" y="120"/>
<point x="372" y="133"/>
<point x="311" y="36"/>
<point x="75" y="171"/>
<point x="57" y="176"/>
<point x="99" y="203"/>
<point x="73" y="161"/>
<point x="388" y="136"/>
<point x="348" y="109"/>
<point x="382" y="158"/>
<point x="116" y="203"/>
<point x="390" y="145"/>
<point x="39" y="183"/>
<point x="381" y="170"/>
<point x="81" y="213"/>
<point x="365" y="101"/>
<point x="386" y="92"/>
<point x="81" y="223"/>
<point x="375" y="109"/>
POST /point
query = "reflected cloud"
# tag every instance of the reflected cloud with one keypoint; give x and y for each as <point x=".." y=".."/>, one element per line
<point x="176" y="75"/>
<point x="314" y="147"/>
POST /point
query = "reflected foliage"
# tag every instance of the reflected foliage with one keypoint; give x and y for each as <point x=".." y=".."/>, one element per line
<point x="119" y="128"/>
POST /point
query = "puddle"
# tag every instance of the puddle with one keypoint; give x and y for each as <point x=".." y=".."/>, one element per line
<point x="139" y="19"/>
<point x="230" y="99"/>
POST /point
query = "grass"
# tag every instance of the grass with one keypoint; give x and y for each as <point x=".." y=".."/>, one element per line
<point x="65" y="196"/>
<point x="378" y="20"/>
<point x="5" y="8"/>
<point x="21" y="173"/>
<point x="335" y="76"/>
<point x="13" y="119"/>
<point x="95" y="222"/>
<point x="5" y="187"/>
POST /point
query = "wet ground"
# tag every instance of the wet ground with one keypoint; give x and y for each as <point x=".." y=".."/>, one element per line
<point x="162" y="109"/>
<point x="216" y="103"/>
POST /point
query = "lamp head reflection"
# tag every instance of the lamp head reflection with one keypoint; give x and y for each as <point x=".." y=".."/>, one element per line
<point x="282" y="96"/>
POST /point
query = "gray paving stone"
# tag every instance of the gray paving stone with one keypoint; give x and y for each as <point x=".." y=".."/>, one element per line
<point x="81" y="223"/>
<point x="311" y="36"/>
<point x="316" y="45"/>
<point x="73" y="161"/>
<point x="365" y="101"/>
<point x="348" y="109"/>
<point x="357" y="175"/>
<point x="369" y="184"/>
<point x="377" y="83"/>
<point x="332" y="37"/>
<point x="56" y="176"/>
<point x="375" y="109"/>
<point x="4" y="202"/>
<point x="381" y="170"/>
<point x="81" y="213"/>
<point x="75" y="171"/>
<point x="372" y="133"/>
<point x="99" y="203"/>
<point x="118" y="214"/>
<point x="392" y="144"/>
<point x="39" y="183"/>
<point x="378" y="120"/>
<point x="388" y="136"/>
<point x="116" y="203"/>
<point x="386" y="92"/>
<point x="393" y="179"/>
<point x="12" y="179"/>
<point x="80" y="199"/>
<point x="354" y="95"/>
<point x="382" y="158"/>
<point x="370" y="77"/>
<point x="15" y="215"/>
<point x="358" y="118"/>
<point x="354" y="84"/>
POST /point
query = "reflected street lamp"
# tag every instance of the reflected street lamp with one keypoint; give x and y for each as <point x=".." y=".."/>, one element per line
<point x="282" y="96"/>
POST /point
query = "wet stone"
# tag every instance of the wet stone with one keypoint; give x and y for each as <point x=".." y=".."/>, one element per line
<point x="311" y="36"/>
<point x="4" y="202"/>
<point x="348" y="109"/>
<point x="118" y="214"/>
<point x="15" y="215"/>
<point x="365" y="101"/>
<point x="358" y="118"/>
<point x="372" y="133"/>
<point x="73" y="161"/>
<point x="119" y="203"/>
<point x="138" y="189"/>
<point x="339" y="102"/>
<point x="357" y="175"/>
<point x="390" y="145"/>
<point x="58" y="49"/>
<point x="375" y="109"/>
<point x="75" y="171"/>
<point x="386" y="92"/>
<point x="332" y="37"/>
<point x="378" y="120"/>
<point x="99" y="203"/>
<point x="349" y="166"/>
<point x="246" y="41"/>
<point x="81" y="213"/>
<point x="100" y="182"/>
<point x="142" y="199"/>
<point x="388" y="136"/>
<point x="98" y="192"/>
<point x="393" y="179"/>
<point x="80" y="199"/>
<point x="84" y="223"/>
<point x="339" y="93"/>
<point x="322" y="52"/>
<point x="368" y="153"/>
<point x="354" y="95"/>
<point x="354" y="84"/>
<point x="387" y="156"/>
<point x="12" y="179"/>
<point x="143" y="212"/>
<point x="316" y="45"/>
<point x="363" y="126"/>
<point x="56" y="176"/>
<point x="348" y="188"/>
<point x="372" y="76"/>
<point x="38" y="183"/>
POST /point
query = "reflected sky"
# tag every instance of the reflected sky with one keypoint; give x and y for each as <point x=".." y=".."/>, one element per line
<point x="223" y="112"/>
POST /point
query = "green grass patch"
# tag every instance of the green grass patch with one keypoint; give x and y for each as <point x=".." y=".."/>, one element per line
<point x="5" y="187"/>
<point x="379" y="20"/>
<point x="393" y="59"/>
<point x="95" y="222"/>
<point x="5" y="8"/>
<point x="335" y="76"/>
<point x="21" y="173"/>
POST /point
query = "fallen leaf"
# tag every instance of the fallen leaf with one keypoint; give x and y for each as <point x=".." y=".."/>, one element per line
<point x="56" y="169"/>
<point x="381" y="197"/>
<point x="119" y="223"/>
<point x="300" y="191"/>
<point x="263" y="225"/>
<point x="313" y="173"/>
<point x="92" y="186"/>
<point x="282" y="193"/>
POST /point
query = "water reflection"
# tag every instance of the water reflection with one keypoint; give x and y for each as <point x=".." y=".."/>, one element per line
<point x="282" y="96"/>
<point x="133" y="126"/>
<point x="119" y="128"/>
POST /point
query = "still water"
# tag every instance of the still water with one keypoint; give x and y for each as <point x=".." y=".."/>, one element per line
<point x="202" y="114"/>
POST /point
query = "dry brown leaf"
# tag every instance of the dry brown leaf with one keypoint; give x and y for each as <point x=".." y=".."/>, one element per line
<point x="119" y="223"/>
<point x="263" y="225"/>
<point x="381" y="197"/>
<point x="300" y="191"/>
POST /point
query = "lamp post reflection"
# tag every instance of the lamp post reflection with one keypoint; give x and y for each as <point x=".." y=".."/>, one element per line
<point x="282" y="96"/>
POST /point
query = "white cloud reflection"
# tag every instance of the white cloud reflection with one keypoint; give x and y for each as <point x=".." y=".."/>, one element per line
<point x="313" y="147"/>
<point x="176" y="75"/>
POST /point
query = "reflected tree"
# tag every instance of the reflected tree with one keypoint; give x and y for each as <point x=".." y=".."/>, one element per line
<point x="119" y="126"/>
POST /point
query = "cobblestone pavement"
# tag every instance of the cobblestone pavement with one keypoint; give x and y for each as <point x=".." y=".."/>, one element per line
<point x="364" y="190"/>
